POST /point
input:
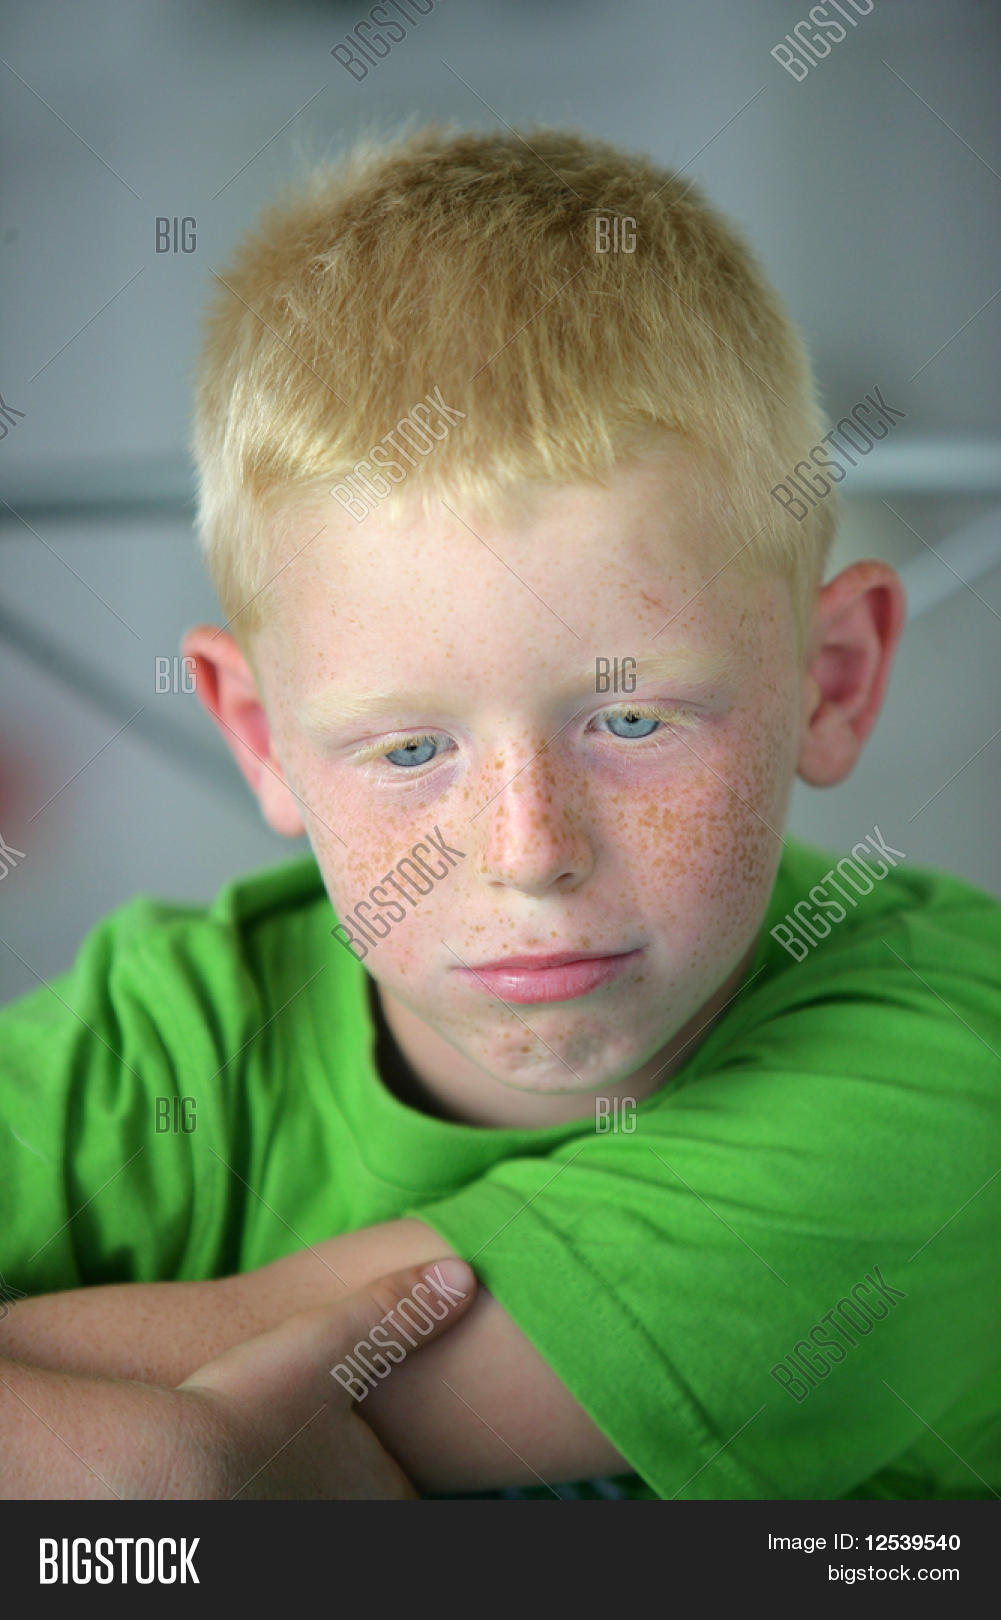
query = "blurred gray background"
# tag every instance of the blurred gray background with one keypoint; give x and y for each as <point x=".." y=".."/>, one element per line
<point x="870" y="186"/>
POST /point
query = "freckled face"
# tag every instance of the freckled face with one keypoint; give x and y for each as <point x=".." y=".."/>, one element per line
<point x="585" y="826"/>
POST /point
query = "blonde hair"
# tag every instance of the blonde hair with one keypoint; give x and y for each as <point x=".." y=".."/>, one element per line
<point x="470" y="263"/>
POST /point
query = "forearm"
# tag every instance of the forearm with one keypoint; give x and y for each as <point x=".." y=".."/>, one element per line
<point x="157" y="1333"/>
<point x="479" y="1410"/>
<point x="160" y="1332"/>
<point x="64" y="1436"/>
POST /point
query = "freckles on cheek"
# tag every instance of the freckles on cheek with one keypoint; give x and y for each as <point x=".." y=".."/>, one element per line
<point x="372" y="853"/>
<point x="358" y="842"/>
<point x="740" y="837"/>
<point x="703" y="850"/>
<point x="359" y="846"/>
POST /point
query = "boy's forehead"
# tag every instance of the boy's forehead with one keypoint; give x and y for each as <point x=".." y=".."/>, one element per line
<point x="574" y="563"/>
<point x="654" y="500"/>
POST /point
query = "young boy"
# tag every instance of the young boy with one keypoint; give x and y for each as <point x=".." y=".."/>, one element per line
<point x="487" y="433"/>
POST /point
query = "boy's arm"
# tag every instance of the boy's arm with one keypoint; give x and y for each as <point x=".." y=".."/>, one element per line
<point x="262" y="1421"/>
<point x="477" y="1410"/>
<point x="72" y="1437"/>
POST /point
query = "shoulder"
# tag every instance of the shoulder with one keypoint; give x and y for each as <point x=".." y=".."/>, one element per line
<point x="862" y="943"/>
<point x="155" y="961"/>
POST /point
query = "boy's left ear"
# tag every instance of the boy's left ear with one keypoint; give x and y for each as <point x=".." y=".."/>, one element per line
<point x="857" y="622"/>
<point x="226" y="687"/>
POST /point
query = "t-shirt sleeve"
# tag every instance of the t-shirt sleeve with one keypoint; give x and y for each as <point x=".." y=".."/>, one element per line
<point x="787" y="1273"/>
<point x="117" y="1077"/>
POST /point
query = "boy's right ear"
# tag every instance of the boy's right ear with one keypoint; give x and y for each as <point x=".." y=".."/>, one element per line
<point x="227" y="689"/>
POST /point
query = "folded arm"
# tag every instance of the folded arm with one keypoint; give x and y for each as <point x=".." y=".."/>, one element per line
<point x="476" y="1410"/>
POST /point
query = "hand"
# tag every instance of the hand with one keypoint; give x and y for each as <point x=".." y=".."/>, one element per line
<point x="267" y="1420"/>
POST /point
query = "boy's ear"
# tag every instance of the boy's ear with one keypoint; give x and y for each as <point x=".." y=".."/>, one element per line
<point x="226" y="687"/>
<point x="857" y="622"/>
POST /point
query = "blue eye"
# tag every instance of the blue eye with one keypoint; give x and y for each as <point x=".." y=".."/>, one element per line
<point x="637" y="723"/>
<point x="412" y="753"/>
<point x="630" y="718"/>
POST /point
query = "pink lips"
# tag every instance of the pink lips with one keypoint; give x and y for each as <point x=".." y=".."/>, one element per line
<point x="559" y="977"/>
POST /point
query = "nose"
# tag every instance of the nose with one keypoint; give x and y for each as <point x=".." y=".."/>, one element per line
<point x="533" y="827"/>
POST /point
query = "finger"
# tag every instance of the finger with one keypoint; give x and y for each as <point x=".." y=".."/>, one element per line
<point x="394" y="1317"/>
<point x="336" y="1353"/>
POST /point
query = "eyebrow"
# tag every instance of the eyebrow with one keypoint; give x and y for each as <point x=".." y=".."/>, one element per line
<point x="339" y="704"/>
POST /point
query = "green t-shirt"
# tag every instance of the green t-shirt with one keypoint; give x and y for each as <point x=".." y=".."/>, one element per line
<point x="783" y="1282"/>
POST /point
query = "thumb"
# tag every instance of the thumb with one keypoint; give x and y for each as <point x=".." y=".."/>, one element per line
<point x="338" y="1352"/>
<point x="381" y="1324"/>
